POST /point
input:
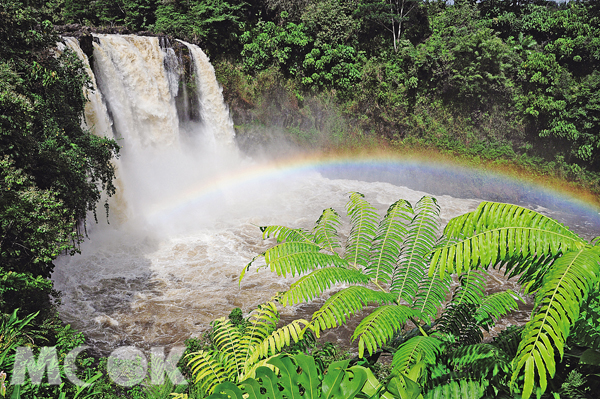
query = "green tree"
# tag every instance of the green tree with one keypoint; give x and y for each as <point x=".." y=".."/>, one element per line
<point x="53" y="170"/>
<point x="213" y="24"/>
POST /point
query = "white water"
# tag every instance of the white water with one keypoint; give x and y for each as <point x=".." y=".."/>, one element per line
<point x="184" y="222"/>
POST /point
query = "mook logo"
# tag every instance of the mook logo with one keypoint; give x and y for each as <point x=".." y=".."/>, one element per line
<point x="127" y="366"/>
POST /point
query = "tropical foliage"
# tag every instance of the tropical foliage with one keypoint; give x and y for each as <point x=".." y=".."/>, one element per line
<point x="52" y="171"/>
<point x="240" y="349"/>
<point x="393" y="256"/>
<point x="554" y="263"/>
<point x="338" y="381"/>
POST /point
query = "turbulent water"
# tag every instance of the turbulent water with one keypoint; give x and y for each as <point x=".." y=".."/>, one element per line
<point x="184" y="222"/>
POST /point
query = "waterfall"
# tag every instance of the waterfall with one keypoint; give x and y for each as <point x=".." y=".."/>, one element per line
<point x="141" y="79"/>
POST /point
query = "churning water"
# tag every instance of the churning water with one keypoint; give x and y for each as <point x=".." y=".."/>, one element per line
<point x="184" y="222"/>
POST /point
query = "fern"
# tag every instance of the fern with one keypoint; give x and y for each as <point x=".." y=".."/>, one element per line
<point x="472" y="287"/>
<point x="565" y="288"/>
<point x="415" y="350"/>
<point x="586" y="331"/>
<point x="314" y="284"/>
<point x="274" y="343"/>
<point x="364" y="226"/>
<point x="554" y="263"/>
<point x="344" y="303"/>
<point x="325" y="230"/>
<point x="380" y="326"/>
<point x="282" y="234"/>
<point x="393" y="250"/>
<point x="387" y="244"/>
<point x="431" y="294"/>
<point x="495" y="306"/>
<point x="207" y="370"/>
<point x="416" y="249"/>
<point x="508" y="340"/>
<point x="459" y="320"/>
<point x="461" y="389"/>
<point x="238" y="352"/>
<point x="495" y="232"/>
<point x="298" y="258"/>
<point x="227" y="339"/>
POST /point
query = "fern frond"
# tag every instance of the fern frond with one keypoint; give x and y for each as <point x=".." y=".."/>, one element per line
<point x="282" y="233"/>
<point x="586" y="331"/>
<point x="345" y="303"/>
<point x="416" y="249"/>
<point x="508" y="340"/>
<point x="206" y="370"/>
<point x="565" y="287"/>
<point x="261" y="323"/>
<point x="415" y="350"/>
<point x="459" y="321"/>
<point x="314" y="284"/>
<point x="325" y="230"/>
<point x="458" y="389"/>
<point x="363" y="218"/>
<point x="497" y="232"/>
<point x="430" y="296"/>
<point x="298" y="258"/>
<point x="227" y="339"/>
<point x="492" y="215"/>
<point x="280" y="338"/>
<point x="495" y="306"/>
<point x="387" y="244"/>
<point x="480" y="358"/>
<point x="379" y="327"/>
<point x="472" y="287"/>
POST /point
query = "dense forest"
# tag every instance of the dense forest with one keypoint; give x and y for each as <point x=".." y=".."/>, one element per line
<point x="500" y="82"/>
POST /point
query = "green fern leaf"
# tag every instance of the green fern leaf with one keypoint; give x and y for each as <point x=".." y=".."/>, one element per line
<point x="497" y="232"/>
<point x="345" y="303"/>
<point x="472" y="287"/>
<point x="325" y="230"/>
<point x="509" y="339"/>
<point x="430" y="296"/>
<point x="261" y="323"/>
<point x="208" y="371"/>
<point x="461" y="389"/>
<point x="363" y="218"/>
<point x="380" y="326"/>
<point x="416" y="249"/>
<point x="227" y="339"/>
<point x="482" y="358"/>
<point x="415" y="350"/>
<point x="282" y="233"/>
<point x="495" y="306"/>
<point x="565" y="287"/>
<point x="298" y="258"/>
<point x="586" y="331"/>
<point x="459" y="321"/>
<point x="314" y="284"/>
<point x="387" y="244"/>
<point x="280" y="338"/>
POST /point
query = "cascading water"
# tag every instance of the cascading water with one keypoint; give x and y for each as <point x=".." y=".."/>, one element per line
<point x="184" y="222"/>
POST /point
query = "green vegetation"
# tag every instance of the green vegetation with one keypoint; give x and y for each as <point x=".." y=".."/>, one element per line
<point x="401" y="267"/>
<point x="398" y="267"/>
<point x="52" y="170"/>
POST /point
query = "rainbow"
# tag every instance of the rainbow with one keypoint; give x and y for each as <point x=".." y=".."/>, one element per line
<point x="432" y="176"/>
